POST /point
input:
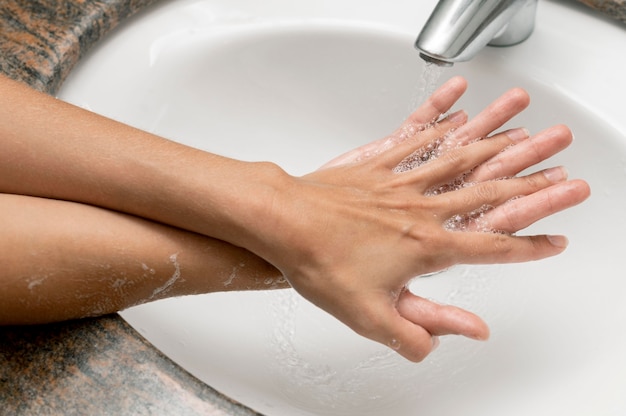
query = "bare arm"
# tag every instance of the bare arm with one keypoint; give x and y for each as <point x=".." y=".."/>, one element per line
<point x="326" y="232"/>
<point x="64" y="260"/>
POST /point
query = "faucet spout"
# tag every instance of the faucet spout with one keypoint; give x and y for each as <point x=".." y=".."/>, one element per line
<point x="458" y="29"/>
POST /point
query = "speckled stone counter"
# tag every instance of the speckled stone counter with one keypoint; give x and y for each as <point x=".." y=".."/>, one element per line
<point x="95" y="366"/>
<point x="41" y="40"/>
<point x="613" y="8"/>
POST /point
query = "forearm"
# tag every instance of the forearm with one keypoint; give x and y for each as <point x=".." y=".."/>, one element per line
<point x="348" y="238"/>
<point x="53" y="149"/>
<point x="63" y="260"/>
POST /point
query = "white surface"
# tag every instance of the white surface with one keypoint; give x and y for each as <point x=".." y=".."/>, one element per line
<point x="298" y="82"/>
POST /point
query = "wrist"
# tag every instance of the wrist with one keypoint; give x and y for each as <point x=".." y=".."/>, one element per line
<point x="244" y="203"/>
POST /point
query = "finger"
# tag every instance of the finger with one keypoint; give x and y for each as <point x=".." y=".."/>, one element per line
<point x="496" y="193"/>
<point x="519" y="213"/>
<point x="437" y="104"/>
<point x="411" y="135"/>
<point x="495" y="248"/>
<point x="524" y="154"/>
<point x="381" y="322"/>
<point x="433" y="135"/>
<point x="410" y="340"/>
<point x="441" y="319"/>
<point x="440" y="101"/>
<point x="453" y="163"/>
<point x="493" y="116"/>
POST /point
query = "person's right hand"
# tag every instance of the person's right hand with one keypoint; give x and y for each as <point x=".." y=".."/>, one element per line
<point x="350" y="236"/>
<point x="440" y="319"/>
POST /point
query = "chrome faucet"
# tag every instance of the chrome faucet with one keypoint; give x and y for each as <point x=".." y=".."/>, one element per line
<point x="458" y="29"/>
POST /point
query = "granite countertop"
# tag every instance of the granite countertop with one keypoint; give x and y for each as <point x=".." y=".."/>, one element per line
<point x="95" y="366"/>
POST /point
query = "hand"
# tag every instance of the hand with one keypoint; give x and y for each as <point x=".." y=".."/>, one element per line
<point x="348" y="237"/>
<point x="353" y="234"/>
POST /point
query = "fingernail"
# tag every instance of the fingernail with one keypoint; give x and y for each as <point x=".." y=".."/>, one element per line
<point x="555" y="175"/>
<point x="517" y="135"/>
<point x="457" y="117"/>
<point x="558" y="241"/>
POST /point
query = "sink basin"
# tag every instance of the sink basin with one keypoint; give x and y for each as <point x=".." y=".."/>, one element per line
<point x="298" y="83"/>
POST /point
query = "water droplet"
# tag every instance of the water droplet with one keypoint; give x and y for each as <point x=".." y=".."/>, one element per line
<point x="394" y="344"/>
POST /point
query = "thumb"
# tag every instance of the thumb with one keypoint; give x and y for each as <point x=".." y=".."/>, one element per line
<point x="386" y="325"/>
<point x="441" y="319"/>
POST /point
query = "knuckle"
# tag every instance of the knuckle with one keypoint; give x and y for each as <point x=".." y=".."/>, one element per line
<point x="503" y="245"/>
<point x="481" y="194"/>
<point x="487" y="192"/>
<point x="427" y="238"/>
<point x="537" y="244"/>
<point x="535" y="182"/>
<point x="455" y="157"/>
<point x="511" y="218"/>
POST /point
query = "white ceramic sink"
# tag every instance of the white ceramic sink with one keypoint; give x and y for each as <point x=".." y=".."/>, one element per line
<point x="299" y="82"/>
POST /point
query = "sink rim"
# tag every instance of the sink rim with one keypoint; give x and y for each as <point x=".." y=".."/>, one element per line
<point x="224" y="16"/>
